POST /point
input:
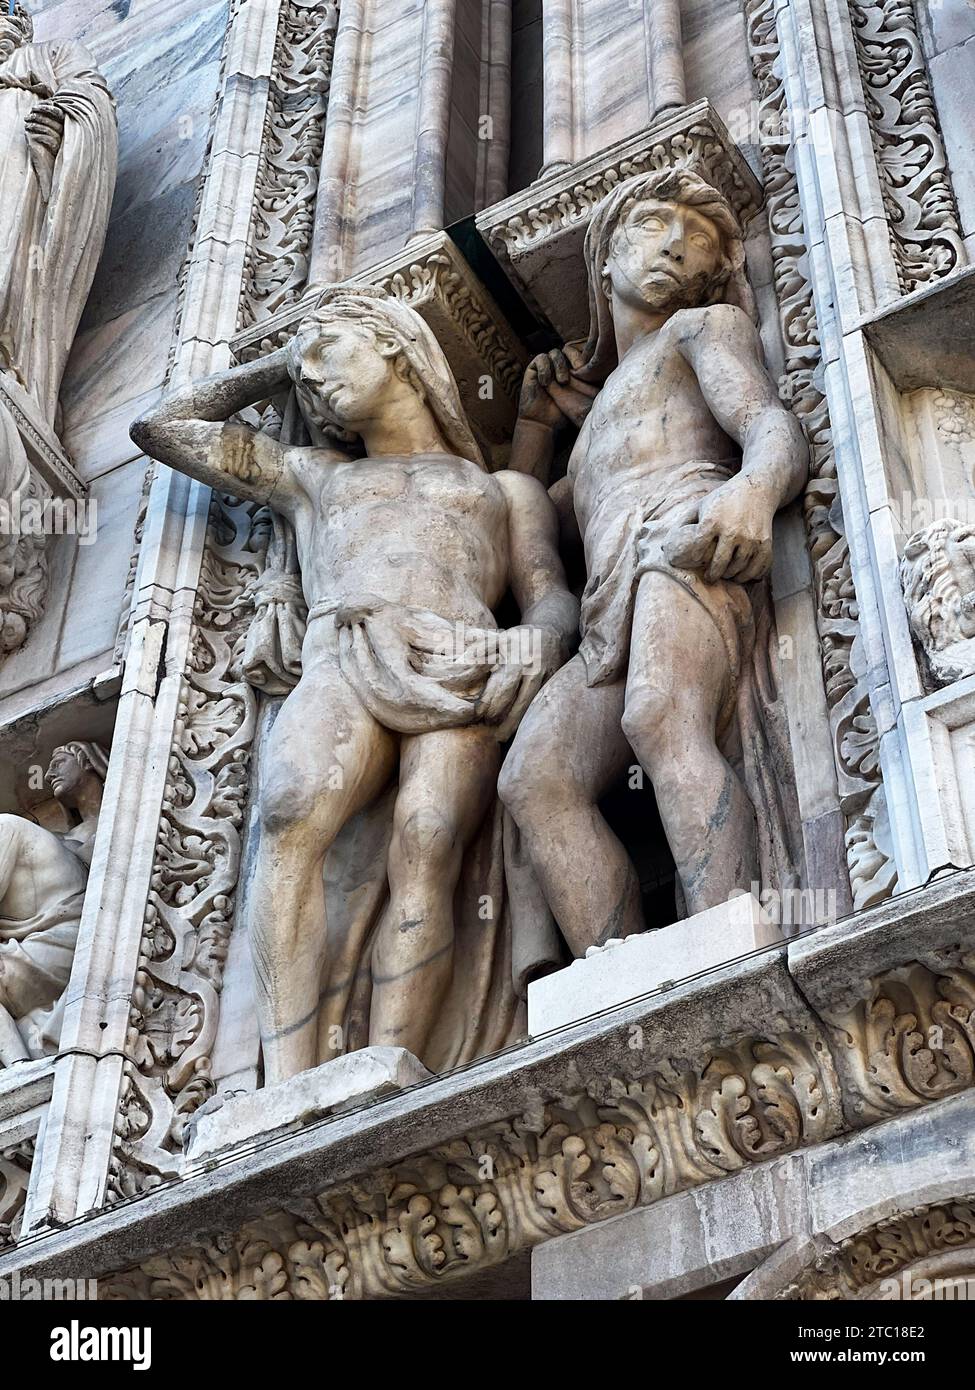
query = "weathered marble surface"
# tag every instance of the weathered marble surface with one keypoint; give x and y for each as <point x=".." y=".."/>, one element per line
<point x="402" y="555"/>
<point x="676" y="664"/>
<point x="42" y="889"/>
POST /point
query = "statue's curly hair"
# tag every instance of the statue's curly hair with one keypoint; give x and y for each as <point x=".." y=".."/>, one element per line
<point x="20" y="19"/>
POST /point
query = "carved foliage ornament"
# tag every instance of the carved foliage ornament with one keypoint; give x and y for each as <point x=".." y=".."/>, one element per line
<point x="615" y="1145"/>
<point x="873" y="876"/>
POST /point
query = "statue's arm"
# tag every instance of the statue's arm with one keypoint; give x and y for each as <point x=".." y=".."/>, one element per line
<point x="723" y="347"/>
<point x="190" y="430"/>
<point x="731" y="537"/>
<point x="537" y="576"/>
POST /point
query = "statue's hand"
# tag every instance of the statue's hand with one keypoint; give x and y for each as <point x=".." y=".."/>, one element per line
<point x="530" y="656"/>
<point x="550" y="395"/>
<point x="731" y="536"/>
<point x="45" y="127"/>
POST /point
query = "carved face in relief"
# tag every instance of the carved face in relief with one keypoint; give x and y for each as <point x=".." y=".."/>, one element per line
<point x="65" y="775"/>
<point x="343" y="373"/>
<point x="664" y="256"/>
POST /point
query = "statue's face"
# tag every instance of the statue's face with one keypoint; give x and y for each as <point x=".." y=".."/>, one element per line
<point x="664" y="255"/>
<point x="64" y="774"/>
<point x="342" y="376"/>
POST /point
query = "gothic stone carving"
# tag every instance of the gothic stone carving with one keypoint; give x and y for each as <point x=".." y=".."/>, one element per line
<point x="42" y="892"/>
<point x="399" y="655"/>
<point x="898" y="1258"/>
<point x="873" y="875"/>
<point x="58" y="154"/>
<point x="938" y="578"/>
<point x="675" y="628"/>
<point x="616" y="1144"/>
<point x="924" y="228"/>
<point x="15" y="1166"/>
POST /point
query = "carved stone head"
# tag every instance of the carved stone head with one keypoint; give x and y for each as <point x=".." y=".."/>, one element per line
<point x="347" y="355"/>
<point x="16" y="28"/>
<point x="666" y="240"/>
<point x="72" y="768"/>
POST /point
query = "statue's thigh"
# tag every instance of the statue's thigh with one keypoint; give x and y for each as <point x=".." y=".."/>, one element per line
<point x="324" y="741"/>
<point x="677" y="652"/>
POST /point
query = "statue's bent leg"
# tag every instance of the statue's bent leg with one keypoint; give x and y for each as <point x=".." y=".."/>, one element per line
<point x="326" y="759"/>
<point x="568" y="751"/>
<point x="679" y="678"/>
<point x="447" y="781"/>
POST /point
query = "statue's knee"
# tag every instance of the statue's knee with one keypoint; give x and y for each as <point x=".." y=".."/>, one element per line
<point x="284" y="804"/>
<point x="649" y="720"/>
<point x="528" y="780"/>
<point x="424" y="839"/>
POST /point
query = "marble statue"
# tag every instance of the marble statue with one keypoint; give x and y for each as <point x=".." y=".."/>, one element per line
<point x="406" y="546"/>
<point x="684" y="455"/>
<point x="42" y="892"/>
<point x="58" y="157"/>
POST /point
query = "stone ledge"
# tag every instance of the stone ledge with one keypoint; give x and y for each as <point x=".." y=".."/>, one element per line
<point x="469" y="1170"/>
<point x="925" y="339"/>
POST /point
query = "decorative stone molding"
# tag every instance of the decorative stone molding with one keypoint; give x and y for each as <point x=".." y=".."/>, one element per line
<point x="889" y="1259"/>
<point x="487" y="1195"/>
<point x="925" y="232"/>
<point x="175" y="1007"/>
<point x="276" y="270"/>
<point x="909" y="1041"/>
<point x="538" y="234"/>
<point x="855" y="741"/>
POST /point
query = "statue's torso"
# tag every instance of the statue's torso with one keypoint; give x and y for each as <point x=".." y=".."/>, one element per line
<point x="44" y="873"/>
<point x="648" y="422"/>
<point x="428" y="531"/>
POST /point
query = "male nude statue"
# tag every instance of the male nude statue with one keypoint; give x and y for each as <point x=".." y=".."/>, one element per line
<point x="400" y="551"/>
<point x="675" y="528"/>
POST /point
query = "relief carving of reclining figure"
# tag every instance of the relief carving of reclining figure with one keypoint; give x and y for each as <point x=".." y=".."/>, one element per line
<point x="684" y="455"/>
<point x="42" y="893"/>
<point x="407" y="689"/>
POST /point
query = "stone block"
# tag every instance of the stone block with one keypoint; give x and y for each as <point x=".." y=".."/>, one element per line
<point x="230" y="1122"/>
<point x="621" y="971"/>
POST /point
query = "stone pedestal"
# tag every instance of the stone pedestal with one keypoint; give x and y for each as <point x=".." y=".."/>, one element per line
<point x="230" y="1122"/>
<point x="622" y="971"/>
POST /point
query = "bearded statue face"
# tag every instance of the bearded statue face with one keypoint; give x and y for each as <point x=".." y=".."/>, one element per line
<point x="664" y="256"/>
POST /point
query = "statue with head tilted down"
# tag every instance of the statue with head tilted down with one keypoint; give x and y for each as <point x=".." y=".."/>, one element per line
<point x="684" y="455"/>
<point x="58" y="158"/>
<point x="384" y="758"/>
<point x="42" y="892"/>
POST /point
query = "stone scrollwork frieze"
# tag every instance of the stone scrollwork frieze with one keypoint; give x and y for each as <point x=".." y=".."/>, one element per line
<point x="923" y="219"/>
<point x="191" y="900"/>
<point x="696" y="147"/>
<point x="901" y="1257"/>
<point x="852" y="725"/>
<point x="474" y="1202"/>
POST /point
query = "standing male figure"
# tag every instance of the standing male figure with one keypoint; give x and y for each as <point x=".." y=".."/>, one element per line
<point x="677" y="533"/>
<point x="404" y="554"/>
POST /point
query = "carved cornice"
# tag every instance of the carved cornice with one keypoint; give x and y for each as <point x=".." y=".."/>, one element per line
<point x="898" y="1251"/>
<point x="472" y="1203"/>
<point x="654" y="1100"/>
